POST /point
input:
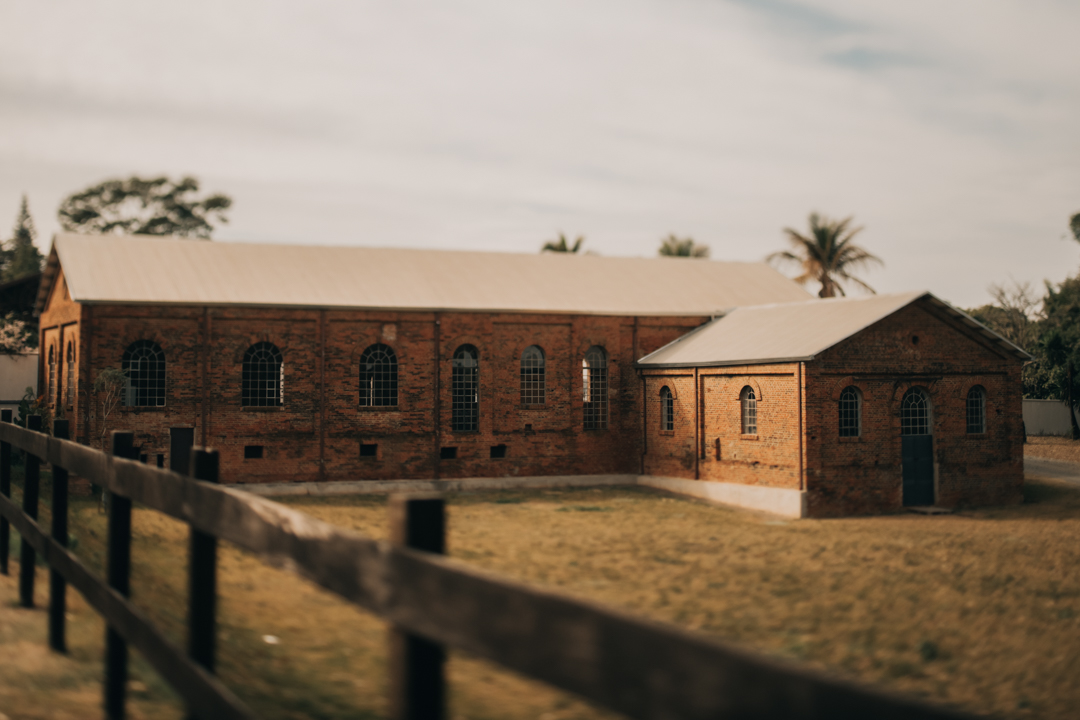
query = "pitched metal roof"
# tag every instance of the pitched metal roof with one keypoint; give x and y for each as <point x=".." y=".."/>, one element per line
<point x="149" y="270"/>
<point x="798" y="331"/>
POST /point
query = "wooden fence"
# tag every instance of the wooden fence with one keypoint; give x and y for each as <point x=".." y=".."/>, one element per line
<point x="640" y="668"/>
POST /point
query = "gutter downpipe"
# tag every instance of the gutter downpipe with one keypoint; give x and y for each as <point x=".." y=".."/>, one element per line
<point x="802" y="463"/>
<point x="437" y="407"/>
<point x="697" y="429"/>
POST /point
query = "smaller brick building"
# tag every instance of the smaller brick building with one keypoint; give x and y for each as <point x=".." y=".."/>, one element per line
<point x="839" y="407"/>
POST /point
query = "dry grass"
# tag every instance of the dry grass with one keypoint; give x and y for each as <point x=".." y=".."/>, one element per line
<point x="1053" y="448"/>
<point x="979" y="609"/>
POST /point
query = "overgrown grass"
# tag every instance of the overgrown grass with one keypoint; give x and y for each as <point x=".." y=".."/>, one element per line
<point x="979" y="609"/>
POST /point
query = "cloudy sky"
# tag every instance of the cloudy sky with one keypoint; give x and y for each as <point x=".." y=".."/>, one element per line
<point x="951" y="131"/>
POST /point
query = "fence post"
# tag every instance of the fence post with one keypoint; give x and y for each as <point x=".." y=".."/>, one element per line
<point x="57" y="586"/>
<point x="119" y="577"/>
<point x="202" y="572"/>
<point x="417" y="685"/>
<point x="5" y="490"/>
<point x="31" y="484"/>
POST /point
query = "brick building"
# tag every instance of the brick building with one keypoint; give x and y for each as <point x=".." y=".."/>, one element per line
<point x="319" y="363"/>
<point x="839" y="407"/>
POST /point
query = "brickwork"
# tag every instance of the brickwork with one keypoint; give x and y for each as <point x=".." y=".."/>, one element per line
<point x="914" y="347"/>
<point x="318" y="432"/>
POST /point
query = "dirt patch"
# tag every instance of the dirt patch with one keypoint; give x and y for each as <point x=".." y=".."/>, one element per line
<point x="980" y="609"/>
<point x="1053" y="448"/>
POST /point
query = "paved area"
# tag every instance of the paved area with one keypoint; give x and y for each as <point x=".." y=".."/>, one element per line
<point x="1052" y="469"/>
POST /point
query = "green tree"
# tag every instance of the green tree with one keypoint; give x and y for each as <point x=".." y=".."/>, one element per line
<point x="827" y="255"/>
<point x="672" y="246"/>
<point x="156" y="206"/>
<point x="562" y="245"/>
<point x="1074" y="225"/>
<point x="21" y="256"/>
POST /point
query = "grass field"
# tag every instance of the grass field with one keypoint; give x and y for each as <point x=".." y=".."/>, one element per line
<point x="980" y="609"/>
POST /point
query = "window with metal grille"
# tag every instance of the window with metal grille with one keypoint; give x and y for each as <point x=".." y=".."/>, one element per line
<point x="915" y="413"/>
<point x="143" y="366"/>
<point x="850" y="412"/>
<point x="594" y="390"/>
<point x="533" y="380"/>
<point x="378" y="377"/>
<point x="976" y="411"/>
<point x="52" y="373"/>
<point x="69" y="374"/>
<point x="748" y="403"/>
<point x="667" y="409"/>
<point x="465" y="389"/>
<point x="262" y="376"/>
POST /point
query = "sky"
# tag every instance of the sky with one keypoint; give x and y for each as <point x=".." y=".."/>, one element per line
<point x="948" y="130"/>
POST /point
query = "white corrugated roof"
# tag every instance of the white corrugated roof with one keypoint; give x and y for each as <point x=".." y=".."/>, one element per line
<point x="796" y="331"/>
<point x="134" y="269"/>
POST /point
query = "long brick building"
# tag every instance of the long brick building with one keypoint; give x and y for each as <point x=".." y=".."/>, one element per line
<point x="331" y="363"/>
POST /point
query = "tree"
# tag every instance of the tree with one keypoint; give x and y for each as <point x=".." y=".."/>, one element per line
<point x="672" y="246"/>
<point x="16" y="334"/>
<point x="157" y="206"/>
<point x="562" y="246"/>
<point x="1074" y="225"/>
<point x="827" y="255"/>
<point x="1013" y="314"/>
<point x="21" y="257"/>
<point x="110" y="385"/>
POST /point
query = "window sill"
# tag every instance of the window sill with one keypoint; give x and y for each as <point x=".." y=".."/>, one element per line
<point x="976" y="436"/>
<point x="262" y="408"/>
<point x="748" y="436"/>
<point x="378" y="408"/>
<point x="667" y="432"/>
<point x="142" y="408"/>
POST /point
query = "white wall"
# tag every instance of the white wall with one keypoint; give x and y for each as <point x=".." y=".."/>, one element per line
<point x="1047" y="417"/>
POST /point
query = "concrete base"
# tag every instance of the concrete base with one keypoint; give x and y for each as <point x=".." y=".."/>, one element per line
<point x="779" y="501"/>
<point x="383" y="487"/>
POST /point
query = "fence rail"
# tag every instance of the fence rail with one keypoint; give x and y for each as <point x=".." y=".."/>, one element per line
<point x="641" y="668"/>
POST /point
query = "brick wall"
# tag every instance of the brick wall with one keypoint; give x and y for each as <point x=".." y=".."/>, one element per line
<point x="913" y="347"/>
<point x="318" y="432"/>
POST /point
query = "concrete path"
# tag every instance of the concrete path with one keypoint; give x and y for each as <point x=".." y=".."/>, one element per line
<point x="1052" y="469"/>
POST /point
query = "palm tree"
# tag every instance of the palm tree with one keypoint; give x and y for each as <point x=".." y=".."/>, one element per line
<point x="827" y="255"/>
<point x="562" y="246"/>
<point x="672" y="246"/>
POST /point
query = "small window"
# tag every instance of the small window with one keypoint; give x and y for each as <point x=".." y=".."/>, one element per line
<point x="143" y="365"/>
<point x="369" y="450"/>
<point x="667" y="409"/>
<point x="69" y="374"/>
<point x="850" y="412"/>
<point x="915" y="413"/>
<point x="262" y="379"/>
<point x="533" y="380"/>
<point x="253" y="452"/>
<point x="378" y="377"/>
<point x="594" y="388"/>
<point x="748" y="403"/>
<point x="498" y="452"/>
<point x="52" y="373"/>
<point x="465" y="390"/>
<point x="448" y="453"/>
<point x="976" y="411"/>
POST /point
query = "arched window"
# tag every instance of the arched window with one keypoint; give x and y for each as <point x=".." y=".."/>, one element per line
<point x="667" y="409"/>
<point x="533" y="380"/>
<point x="465" y="390"/>
<point x="378" y="377"/>
<point x="69" y="374"/>
<point x="748" y="403"/>
<point x="595" y="388"/>
<point x="144" y="368"/>
<point x="976" y="411"/>
<point x="915" y="413"/>
<point x="52" y="373"/>
<point x="850" y="412"/>
<point x="262" y="376"/>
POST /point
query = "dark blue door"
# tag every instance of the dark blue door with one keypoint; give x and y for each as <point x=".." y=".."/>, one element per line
<point x="917" y="457"/>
